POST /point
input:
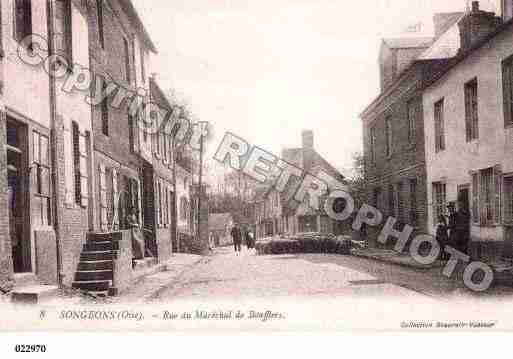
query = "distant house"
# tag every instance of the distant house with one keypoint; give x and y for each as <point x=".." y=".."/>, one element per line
<point x="220" y="225"/>
<point x="278" y="213"/>
<point x="268" y="212"/>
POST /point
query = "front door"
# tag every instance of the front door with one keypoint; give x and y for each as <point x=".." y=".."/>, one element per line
<point x="17" y="189"/>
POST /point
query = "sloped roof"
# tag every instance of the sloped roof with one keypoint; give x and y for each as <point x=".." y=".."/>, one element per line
<point x="408" y="42"/>
<point x="317" y="161"/>
<point x="219" y="221"/>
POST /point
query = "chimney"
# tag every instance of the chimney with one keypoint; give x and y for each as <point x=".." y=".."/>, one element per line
<point x="307" y="139"/>
<point x="475" y="25"/>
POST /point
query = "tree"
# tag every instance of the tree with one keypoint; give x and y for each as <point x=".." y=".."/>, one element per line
<point x="357" y="179"/>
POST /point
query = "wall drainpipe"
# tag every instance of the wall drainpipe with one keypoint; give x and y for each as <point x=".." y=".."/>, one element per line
<point x="55" y="138"/>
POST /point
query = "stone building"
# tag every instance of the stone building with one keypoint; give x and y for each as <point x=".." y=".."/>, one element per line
<point x="468" y="132"/>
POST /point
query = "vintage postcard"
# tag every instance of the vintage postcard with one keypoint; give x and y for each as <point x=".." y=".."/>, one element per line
<point x="240" y="165"/>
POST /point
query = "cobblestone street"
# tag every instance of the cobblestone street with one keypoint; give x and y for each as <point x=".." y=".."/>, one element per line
<point x="225" y="275"/>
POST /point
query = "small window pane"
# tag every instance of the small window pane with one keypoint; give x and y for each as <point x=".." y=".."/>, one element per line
<point x="35" y="141"/>
<point x="44" y="151"/>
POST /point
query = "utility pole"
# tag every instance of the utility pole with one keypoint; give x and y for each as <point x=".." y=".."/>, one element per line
<point x="200" y="180"/>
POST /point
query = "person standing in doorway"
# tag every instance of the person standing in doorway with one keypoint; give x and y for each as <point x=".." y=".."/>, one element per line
<point x="237" y="239"/>
<point x="453" y="225"/>
<point x="442" y="237"/>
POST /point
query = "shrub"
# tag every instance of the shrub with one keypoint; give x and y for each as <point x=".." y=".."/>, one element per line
<point x="306" y="243"/>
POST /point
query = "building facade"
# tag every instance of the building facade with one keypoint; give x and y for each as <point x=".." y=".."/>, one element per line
<point x="468" y="117"/>
<point x="393" y="125"/>
<point x="76" y="171"/>
<point x="279" y="213"/>
<point x="44" y="134"/>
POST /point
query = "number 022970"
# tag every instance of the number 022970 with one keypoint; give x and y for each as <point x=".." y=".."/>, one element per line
<point x="29" y="348"/>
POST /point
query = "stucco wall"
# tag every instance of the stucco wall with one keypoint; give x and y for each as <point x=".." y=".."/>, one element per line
<point x="495" y="143"/>
<point x="26" y="86"/>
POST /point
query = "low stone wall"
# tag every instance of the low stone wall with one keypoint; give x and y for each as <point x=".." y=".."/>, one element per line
<point x="486" y="251"/>
<point x="122" y="260"/>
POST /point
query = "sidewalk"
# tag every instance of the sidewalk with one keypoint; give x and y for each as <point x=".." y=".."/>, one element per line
<point x="389" y="256"/>
<point x="146" y="283"/>
<point x="149" y="286"/>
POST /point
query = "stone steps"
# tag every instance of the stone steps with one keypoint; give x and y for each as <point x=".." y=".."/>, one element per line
<point x="93" y="286"/>
<point x="94" y="275"/>
<point x="95" y="265"/>
<point x="98" y="246"/>
<point x="92" y="256"/>
<point x="95" y="270"/>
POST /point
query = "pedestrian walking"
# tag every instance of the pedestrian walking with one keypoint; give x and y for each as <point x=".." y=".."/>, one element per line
<point x="250" y="243"/>
<point x="442" y="236"/>
<point x="237" y="239"/>
<point x="211" y="242"/>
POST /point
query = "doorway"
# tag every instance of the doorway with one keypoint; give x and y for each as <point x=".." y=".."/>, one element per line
<point x="17" y="191"/>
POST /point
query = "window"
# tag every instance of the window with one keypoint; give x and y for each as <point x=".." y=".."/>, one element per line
<point x="99" y="18"/>
<point x="439" y="126"/>
<point x="376" y="197"/>
<point x="167" y="207"/>
<point x="22" y="19"/>
<point x="508" y="200"/>
<point x="413" y="202"/>
<point x="143" y="65"/>
<point x="373" y="144"/>
<point x="159" y="205"/>
<point x="486" y="194"/>
<point x="127" y="60"/>
<point x="391" y="201"/>
<point x="388" y="132"/>
<point x="63" y="30"/>
<point x="183" y="209"/>
<point x="471" y="114"/>
<point x="475" y="197"/>
<point x="80" y="156"/>
<point x="400" y="209"/>
<point x="104" y="108"/>
<point x="41" y="159"/>
<point x="486" y="201"/>
<point x="439" y="200"/>
<point x="412" y="122"/>
<point x="131" y="132"/>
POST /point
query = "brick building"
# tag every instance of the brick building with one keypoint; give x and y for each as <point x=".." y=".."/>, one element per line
<point x="393" y="126"/>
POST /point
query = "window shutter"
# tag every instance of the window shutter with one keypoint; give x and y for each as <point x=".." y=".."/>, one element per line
<point x="475" y="197"/>
<point x="139" y="202"/>
<point x="497" y="176"/>
<point x="115" y="195"/>
<point x="157" y="202"/>
<point x="84" y="180"/>
<point x="507" y="91"/>
<point x="103" y="199"/>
